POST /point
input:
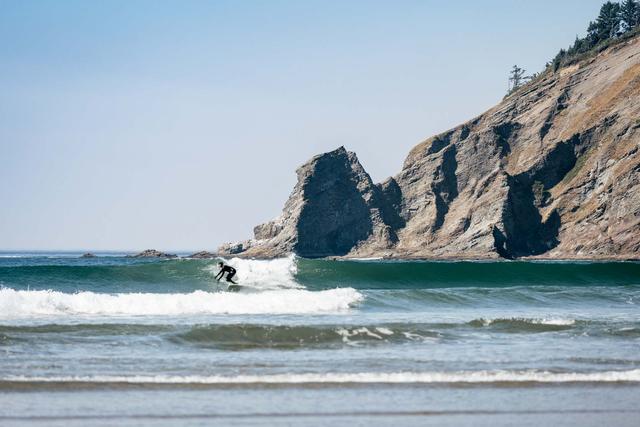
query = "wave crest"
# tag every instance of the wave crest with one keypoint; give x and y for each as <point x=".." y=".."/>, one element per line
<point x="19" y="303"/>
<point x="276" y="273"/>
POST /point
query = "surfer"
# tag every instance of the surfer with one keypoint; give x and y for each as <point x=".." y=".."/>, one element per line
<point x="226" y="269"/>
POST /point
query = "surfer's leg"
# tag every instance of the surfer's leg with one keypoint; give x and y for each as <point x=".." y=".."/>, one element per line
<point x="230" y="275"/>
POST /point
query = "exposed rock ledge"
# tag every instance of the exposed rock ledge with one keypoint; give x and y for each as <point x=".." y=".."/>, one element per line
<point x="202" y="255"/>
<point x="152" y="253"/>
<point x="553" y="171"/>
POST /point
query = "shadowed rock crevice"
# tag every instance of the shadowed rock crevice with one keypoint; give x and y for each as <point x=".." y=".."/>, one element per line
<point x="505" y="133"/>
<point x="559" y="105"/>
<point x="391" y="204"/>
<point x="557" y="163"/>
<point x="464" y="133"/>
<point x="439" y="142"/>
<point x="526" y="232"/>
<point x="445" y="185"/>
<point x="500" y="243"/>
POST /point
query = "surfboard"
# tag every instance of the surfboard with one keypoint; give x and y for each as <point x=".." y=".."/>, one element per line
<point x="234" y="288"/>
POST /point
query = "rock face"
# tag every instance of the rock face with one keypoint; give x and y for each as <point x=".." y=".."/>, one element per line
<point x="552" y="171"/>
<point x="334" y="208"/>
<point x="152" y="253"/>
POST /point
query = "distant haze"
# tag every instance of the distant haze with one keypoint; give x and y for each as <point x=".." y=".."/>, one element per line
<point x="179" y="125"/>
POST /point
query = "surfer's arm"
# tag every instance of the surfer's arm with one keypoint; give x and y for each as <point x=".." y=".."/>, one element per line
<point x="219" y="274"/>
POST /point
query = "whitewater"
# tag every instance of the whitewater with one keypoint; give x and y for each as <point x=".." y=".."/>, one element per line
<point x="463" y="336"/>
<point x="41" y="303"/>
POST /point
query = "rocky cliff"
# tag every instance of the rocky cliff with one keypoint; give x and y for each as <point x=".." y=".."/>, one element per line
<point x="552" y="171"/>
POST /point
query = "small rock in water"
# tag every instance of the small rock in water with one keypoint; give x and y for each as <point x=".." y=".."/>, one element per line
<point x="152" y="253"/>
<point x="202" y="255"/>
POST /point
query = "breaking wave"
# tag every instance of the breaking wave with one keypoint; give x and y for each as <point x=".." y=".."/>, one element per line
<point x="21" y="303"/>
<point x="264" y="274"/>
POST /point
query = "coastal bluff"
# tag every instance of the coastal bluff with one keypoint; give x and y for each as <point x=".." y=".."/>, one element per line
<point x="552" y="171"/>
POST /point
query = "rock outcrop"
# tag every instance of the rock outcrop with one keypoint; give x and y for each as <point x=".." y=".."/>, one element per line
<point x="152" y="253"/>
<point x="334" y="208"/>
<point x="202" y="255"/>
<point x="552" y="171"/>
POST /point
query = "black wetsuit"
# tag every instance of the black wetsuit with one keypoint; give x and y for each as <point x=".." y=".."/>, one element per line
<point x="230" y="273"/>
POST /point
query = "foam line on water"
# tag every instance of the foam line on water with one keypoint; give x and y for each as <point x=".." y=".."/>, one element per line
<point x="20" y="303"/>
<point x="471" y="377"/>
<point x="552" y="321"/>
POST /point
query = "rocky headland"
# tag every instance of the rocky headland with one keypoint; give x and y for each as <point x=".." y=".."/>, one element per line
<point x="552" y="171"/>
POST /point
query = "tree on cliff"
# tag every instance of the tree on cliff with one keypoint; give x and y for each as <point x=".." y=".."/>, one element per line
<point x="608" y="21"/>
<point x="630" y="14"/>
<point x="614" y="21"/>
<point x="593" y="37"/>
<point x="516" y="78"/>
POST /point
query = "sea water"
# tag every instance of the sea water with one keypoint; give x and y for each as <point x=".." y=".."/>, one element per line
<point x="124" y="341"/>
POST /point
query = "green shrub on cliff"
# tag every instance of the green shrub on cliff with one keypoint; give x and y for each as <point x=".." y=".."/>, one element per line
<point x="615" y="21"/>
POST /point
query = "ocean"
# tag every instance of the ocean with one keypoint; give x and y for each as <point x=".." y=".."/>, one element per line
<point x="124" y="341"/>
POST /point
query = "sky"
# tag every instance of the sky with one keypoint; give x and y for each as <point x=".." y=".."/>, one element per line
<point x="178" y="125"/>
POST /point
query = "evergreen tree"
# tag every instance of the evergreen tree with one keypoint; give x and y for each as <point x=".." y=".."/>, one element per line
<point x="516" y="78"/>
<point x="613" y="20"/>
<point x="593" y="34"/>
<point x="630" y="14"/>
<point x="608" y="21"/>
<point x="579" y="46"/>
<point x="557" y="61"/>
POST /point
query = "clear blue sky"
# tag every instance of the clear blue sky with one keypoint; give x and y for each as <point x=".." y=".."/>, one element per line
<point x="179" y="124"/>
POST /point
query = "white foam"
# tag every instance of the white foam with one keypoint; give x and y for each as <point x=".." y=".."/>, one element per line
<point x="363" y="331"/>
<point x="557" y="322"/>
<point x="276" y="273"/>
<point x="21" y="304"/>
<point x="526" y="376"/>
<point x="533" y="321"/>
